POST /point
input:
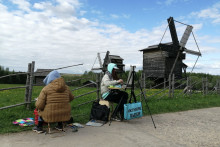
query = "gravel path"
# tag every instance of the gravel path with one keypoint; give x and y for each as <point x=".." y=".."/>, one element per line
<point x="194" y="128"/>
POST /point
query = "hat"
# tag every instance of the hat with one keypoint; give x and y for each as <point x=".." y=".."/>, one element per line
<point x="115" y="67"/>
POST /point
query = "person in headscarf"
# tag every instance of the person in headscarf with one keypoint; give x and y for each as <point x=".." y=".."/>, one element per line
<point x="53" y="103"/>
<point x="116" y="96"/>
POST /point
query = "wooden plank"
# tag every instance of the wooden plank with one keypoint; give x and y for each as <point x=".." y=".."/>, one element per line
<point x="192" y="52"/>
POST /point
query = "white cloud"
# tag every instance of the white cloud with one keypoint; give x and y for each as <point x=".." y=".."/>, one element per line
<point x="53" y="36"/>
<point x="211" y="13"/>
<point x="22" y="4"/>
<point x="114" y="16"/>
<point x="54" y="40"/>
<point x="169" y="2"/>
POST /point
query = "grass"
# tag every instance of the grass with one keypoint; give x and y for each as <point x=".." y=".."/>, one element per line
<point x="81" y="114"/>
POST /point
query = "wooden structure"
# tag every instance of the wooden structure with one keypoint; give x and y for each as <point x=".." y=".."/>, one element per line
<point x="110" y="59"/>
<point x="159" y="61"/>
<point x="40" y="74"/>
<point x="113" y="59"/>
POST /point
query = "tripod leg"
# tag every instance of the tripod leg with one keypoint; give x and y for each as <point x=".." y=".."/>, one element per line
<point x="146" y="102"/>
<point x="115" y="111"/>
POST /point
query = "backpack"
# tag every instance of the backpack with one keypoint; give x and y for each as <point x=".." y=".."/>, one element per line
<point x="99" y="112"/>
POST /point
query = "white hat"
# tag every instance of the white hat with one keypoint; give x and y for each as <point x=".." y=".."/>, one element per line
<point x="115" y="67"/>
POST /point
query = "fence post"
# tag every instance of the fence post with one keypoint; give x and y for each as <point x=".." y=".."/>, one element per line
<point x="164" y="84"/>
<point x="27" y="85"/>
<point x="173" y="83"/>
<point x="169" y="85"/>
<point x="31" y="85"/>
<point x="98" y="85"/>
<point x="206" y="86"/>
<point x="218" y="87"/>
<point x="144" y="82"/>
<point x="203" y="86"/>
<point x="188" y="85"/>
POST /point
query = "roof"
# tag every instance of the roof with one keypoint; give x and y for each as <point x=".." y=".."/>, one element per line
<point x="115" y="57"/>
<point x="152" y="47"/>
<point x="42" y="72"/>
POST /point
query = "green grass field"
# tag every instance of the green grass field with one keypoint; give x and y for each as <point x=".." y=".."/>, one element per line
<point x="81" y="114"/>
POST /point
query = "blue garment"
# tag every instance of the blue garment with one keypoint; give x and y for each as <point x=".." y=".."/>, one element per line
<point x="111" y="66"/>
<point x="51" y="76"/>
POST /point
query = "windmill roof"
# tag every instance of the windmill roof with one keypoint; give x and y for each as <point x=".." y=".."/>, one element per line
<point x="115" y="57"/>
<point x="156" y="46"/>
<point x="42" y="72"/>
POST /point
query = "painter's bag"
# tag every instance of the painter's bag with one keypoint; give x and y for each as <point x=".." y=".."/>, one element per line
<point x="132" y="110"/>
<point x="99" y="112"/>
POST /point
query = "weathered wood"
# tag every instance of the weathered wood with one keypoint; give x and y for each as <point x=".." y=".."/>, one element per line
<point x="173" y="83"/>
<point x="13" y="75"/>
<point x="12" y="106"/>
<point x="27" y="85"/>
<point x="170" y="85"/>
<point x="206" y="89"/>
<point x="12" y="88"/>
<point x="218" y="87"/>
<point x="85" y="94"/>
<point x="98" y="85"/>
<point x="31" y="84"/>
<point x="82" y="86"/>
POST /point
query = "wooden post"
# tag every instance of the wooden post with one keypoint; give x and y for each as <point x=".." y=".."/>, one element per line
<point x="188" y="86"/>
<point x="164" y="84"/>
<point x="203" y="86"/>
<point x="173" y="83"/>
<point x="218" y="87"/>
<point x="206" y="86"/>
<point x="144" y="82"/>
<point x="31" y="84"/>
<point x="27" y="85"/>
<point x="142" y="85"/>
<point x="169" y="85"/>
<point x="98" y="85"/>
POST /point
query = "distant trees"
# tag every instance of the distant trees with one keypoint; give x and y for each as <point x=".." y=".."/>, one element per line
<point x="17" y="79"/>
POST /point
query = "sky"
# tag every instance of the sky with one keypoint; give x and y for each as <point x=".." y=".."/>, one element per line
<point x="59" y="33"/>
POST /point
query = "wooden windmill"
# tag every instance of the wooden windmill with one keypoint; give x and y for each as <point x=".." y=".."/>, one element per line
<point x="159" y="61"/>
<point x="110" y="59"/>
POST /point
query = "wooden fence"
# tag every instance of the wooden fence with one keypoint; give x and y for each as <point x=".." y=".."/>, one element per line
<point x="168" y="87"/>
<point x="28" y="87"/>
<point x="186" y="85"/>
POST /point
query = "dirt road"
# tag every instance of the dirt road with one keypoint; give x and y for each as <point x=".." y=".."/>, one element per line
<point x="195" y="128"/>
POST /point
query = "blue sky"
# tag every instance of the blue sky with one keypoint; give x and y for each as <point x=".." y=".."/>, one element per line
<point x="57" y="33"/>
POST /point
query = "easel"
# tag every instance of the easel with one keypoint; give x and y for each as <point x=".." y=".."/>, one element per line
<point x="131" y="77"/>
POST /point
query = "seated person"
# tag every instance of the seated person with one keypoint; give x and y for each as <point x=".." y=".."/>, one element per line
<point x="53" y="103"/>
<point x="110" y="78"/>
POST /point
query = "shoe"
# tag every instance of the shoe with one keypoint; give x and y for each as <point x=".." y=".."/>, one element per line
<point x="116" y="118"/>
<point x="38" y="129"/>
<point x="34" y="129"/>
<point x="59" y="128"/>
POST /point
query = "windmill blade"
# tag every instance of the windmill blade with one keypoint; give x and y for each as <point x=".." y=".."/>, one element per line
<point x="100" y="61"/>
<point x="192" y="52"/>
<point x="173" y="31"/>
<point x="186" y="35"/>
